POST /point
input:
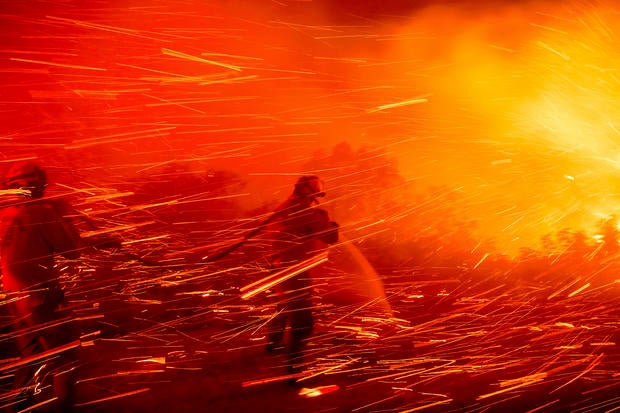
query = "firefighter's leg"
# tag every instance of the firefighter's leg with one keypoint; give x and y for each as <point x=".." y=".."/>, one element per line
<point x="64" y="389"/>
<point x="65" y="367"/>
<point x="27" y="377"/>
<point x="302" y="324"/>
<point x="28" y="340"/>
<point x="275" y="328"/>
<point x="57" y="374"/>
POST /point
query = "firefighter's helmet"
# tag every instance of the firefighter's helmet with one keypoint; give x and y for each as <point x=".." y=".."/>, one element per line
<point x="309" y="186"/>
<point x="26" y="175"/>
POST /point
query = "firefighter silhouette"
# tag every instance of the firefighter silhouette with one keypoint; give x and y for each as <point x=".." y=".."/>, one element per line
<point x="33" y="232"/>
<point x="299" y="230"/>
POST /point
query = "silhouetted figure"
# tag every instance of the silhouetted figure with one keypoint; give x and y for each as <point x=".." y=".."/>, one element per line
<point x="33" y="232"/>
<point x="300" y="231"/>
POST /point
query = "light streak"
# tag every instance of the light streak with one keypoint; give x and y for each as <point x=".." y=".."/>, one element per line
<point x="113" y="29"/>
<point x="552" y="50"/>
<point x="15" y="160"/>
<point x="327" y="370"/>
<point x="398" y="104"/>
<point x="578" y="290"/>
<point x="426" y="406"/>
<point x="281" y="276"/>
<point x="516" y="384"/>
<point x="169" y="75"/>
<point x="318" y="391"/>
<point x="274" y="379"/>
<point x="66" y="65"/>
<point x="121" y="137"/>
<point x="10" y="192"/>
<point x="158" y="360"/>
<point x="564" y="288"/>
<point x="38" y="405"/>
<point x="541" y="407"/>
<point x="182" y="55"/>
<point x="228" y="80"/>
<point x="135" y="241"/>
<point x="484" y="257"/>
<point x="94" y="233"/>
<point x="116" y="396"/>
<point x="589" y="368"/>
<point x="233" y="56"/>
<point x="45" y="354"/>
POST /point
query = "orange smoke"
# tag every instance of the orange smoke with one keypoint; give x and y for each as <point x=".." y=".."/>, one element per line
<point x="521" y="113"/>
<point x="511" y="107"/>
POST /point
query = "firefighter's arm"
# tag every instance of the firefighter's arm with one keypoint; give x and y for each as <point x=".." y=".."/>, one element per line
<point x="62" y="236"/>
<point x="94" y="237"/>
<point x="328" y="232"/>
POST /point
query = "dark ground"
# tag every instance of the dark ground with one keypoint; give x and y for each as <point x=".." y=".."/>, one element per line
<point x="453" y="345"/>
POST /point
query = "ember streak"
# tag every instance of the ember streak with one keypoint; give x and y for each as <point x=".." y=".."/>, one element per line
<point x="471" y="157"/>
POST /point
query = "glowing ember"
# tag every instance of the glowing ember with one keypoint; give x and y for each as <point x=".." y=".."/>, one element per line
<point x="470" y="154"/>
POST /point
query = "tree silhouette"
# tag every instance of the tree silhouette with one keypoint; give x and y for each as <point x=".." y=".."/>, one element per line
<point x="609" y="231"/>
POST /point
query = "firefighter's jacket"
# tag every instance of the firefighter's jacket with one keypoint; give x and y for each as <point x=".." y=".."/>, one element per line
<point x="32" y="234"/>
<point x="300" y="232"/>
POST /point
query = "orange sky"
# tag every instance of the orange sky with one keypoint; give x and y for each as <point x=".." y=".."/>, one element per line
<point x="512" y="106"/>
